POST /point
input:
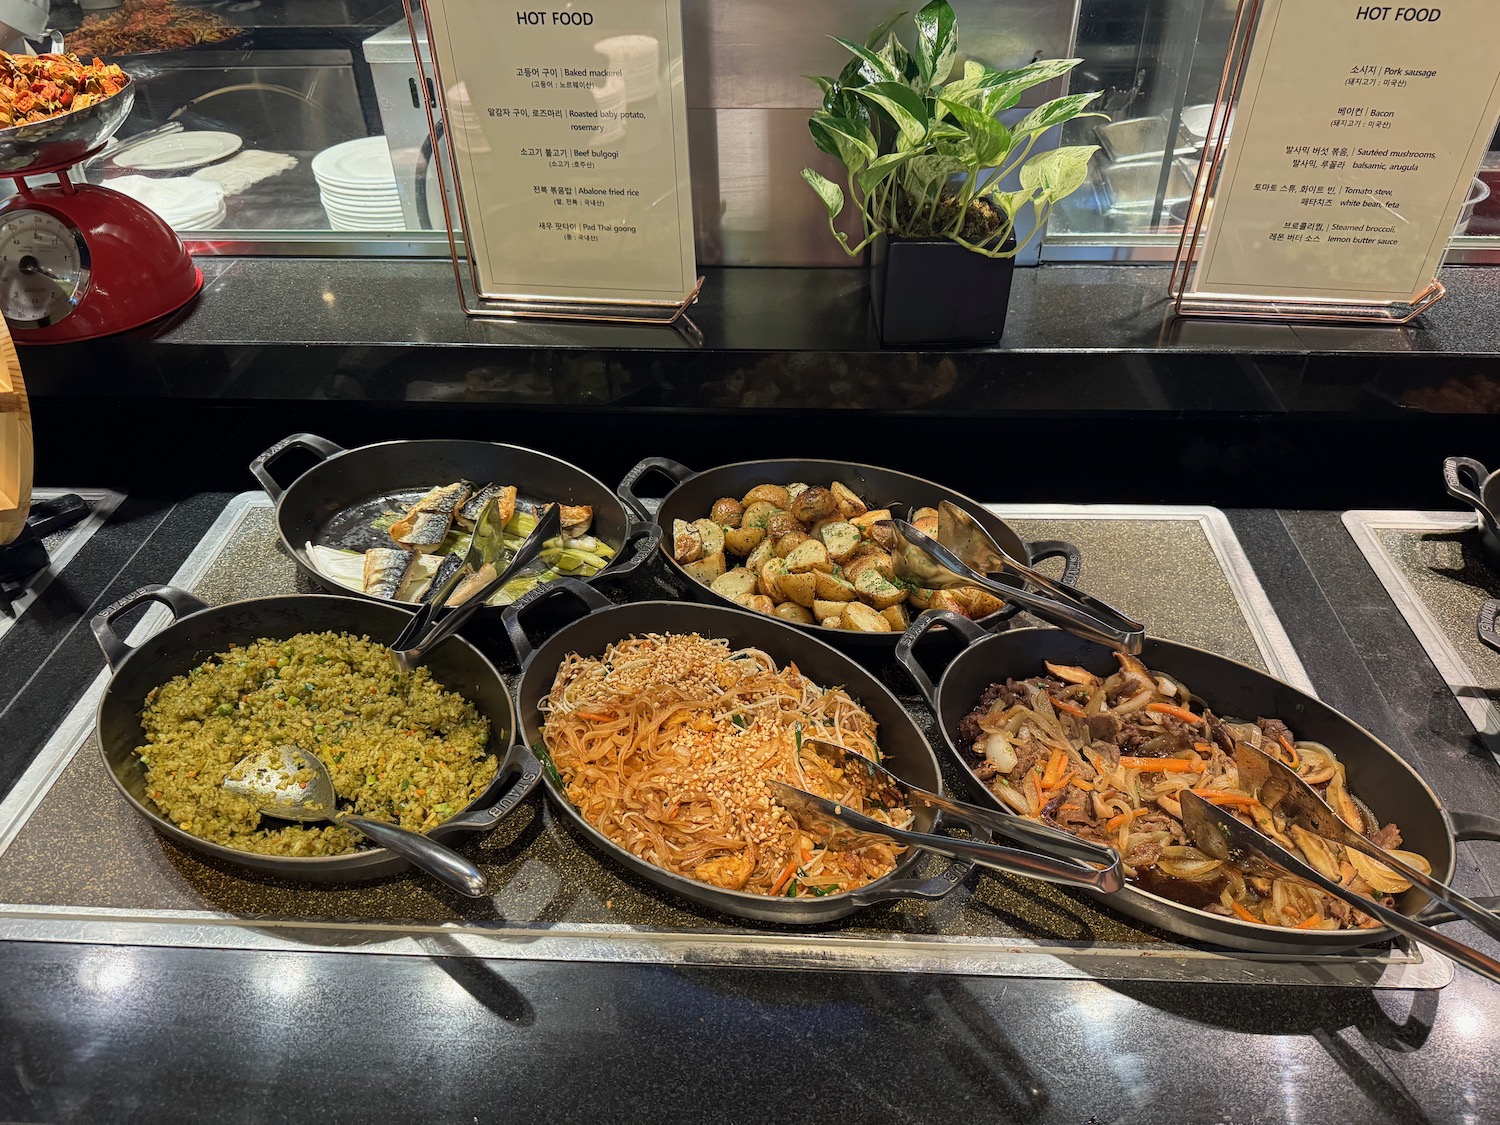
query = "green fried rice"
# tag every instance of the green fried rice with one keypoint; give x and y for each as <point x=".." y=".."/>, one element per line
<point x="400" y="748"/>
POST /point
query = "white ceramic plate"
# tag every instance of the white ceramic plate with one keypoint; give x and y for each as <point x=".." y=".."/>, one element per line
<point x="361" y="198"/>
<point x="178" y="151"/>
<point x="361" y="212"/>
<point x="364" y="163"/>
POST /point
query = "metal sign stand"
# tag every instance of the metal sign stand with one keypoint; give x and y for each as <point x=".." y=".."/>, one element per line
<point x="474" y="302"/>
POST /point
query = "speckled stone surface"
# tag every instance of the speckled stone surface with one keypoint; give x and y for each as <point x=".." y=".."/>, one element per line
<point x="1453" y="578"/>
<point x="85" y="847"/>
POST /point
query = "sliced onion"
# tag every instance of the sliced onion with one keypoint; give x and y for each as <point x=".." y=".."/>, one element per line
<point x="1012" y="797"/>
<point x="998" y="751"/>
<point x="1381" y="877"/>
<point x="1188" y="868"/>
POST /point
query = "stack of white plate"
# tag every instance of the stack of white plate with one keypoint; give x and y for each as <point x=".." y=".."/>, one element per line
<point x="185" y="203"/>
<point x="358" y="186"/>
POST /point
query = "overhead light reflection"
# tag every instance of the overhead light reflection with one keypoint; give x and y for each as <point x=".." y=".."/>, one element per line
<point x="109" y="972"/>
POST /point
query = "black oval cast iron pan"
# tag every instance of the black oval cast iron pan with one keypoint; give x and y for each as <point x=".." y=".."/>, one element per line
<point x="199" y="631"/>
<point x="693" y="496"/>
<point x="1376" y="774"/>
<point x="332" y="503"/>
<point x="904" y="748"/>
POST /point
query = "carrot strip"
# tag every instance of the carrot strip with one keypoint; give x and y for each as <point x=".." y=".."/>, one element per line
<point x="1067" y="705"/>
<point x="1221" y="797"/>
<point x="1055" y="768"/>
<point x="1160" y="765"/>
<point x="785" y="877"/>
<point x="1115" y="822"/>
<point x="1203" y="748"/>
<point x="1062" y="782"/>
<point x="1310" y="923"/>
<point x="1245" y="914"/>
<point x="1176" y="712"/>
<point x="1086" y="786"/>
<point x="1292" y="750"/>
<point x="595" y="716"/>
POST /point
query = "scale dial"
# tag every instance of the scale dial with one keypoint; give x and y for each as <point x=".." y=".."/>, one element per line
<point x="44" y="267"/>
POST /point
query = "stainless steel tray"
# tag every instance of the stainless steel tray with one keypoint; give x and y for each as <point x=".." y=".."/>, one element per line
<point x="1433" y="567"/>
<point x="1180" y="567"/>
<point x="63" y="545"/>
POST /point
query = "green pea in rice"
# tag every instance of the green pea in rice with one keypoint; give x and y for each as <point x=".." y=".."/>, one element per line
<point x="400" y="748"/>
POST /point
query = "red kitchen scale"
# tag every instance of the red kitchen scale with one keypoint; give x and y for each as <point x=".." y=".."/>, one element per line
<point x="78" y="260"/>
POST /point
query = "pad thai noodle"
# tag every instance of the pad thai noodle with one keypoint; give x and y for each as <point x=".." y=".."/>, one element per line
<point x="1106" y="757"/>
<point x="665" y="743"/>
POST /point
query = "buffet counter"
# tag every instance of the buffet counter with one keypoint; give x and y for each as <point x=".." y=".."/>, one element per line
<point x="151" y="1010"/>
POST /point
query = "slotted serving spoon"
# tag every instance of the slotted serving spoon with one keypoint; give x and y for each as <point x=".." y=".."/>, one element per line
<point x="920" y="559"/>
<point x="434" y="623"/>
<point x="1220" y="834"/>
<point x="1280" y="789"/>
<point x="291" y="783"/>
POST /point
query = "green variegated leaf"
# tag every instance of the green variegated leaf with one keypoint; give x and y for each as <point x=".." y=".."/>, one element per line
<point x="937" y="42"/>
<point x="1010" y="201"/>
<point x="988" y="138"/>
<point x="874" y="68"/>
<point x="830" y="192"/>
<point x="1055" y="174"/>
<point x="927" y="175"/>
<point x="876" y="174"/>
<point x="1055" y="112"/>
<point x="848" y="140"/>
<point x="826" y="85"/>
<point x="1003" y="88"/>
<point x="880" y="30"/>
<point x="904" y="105"/>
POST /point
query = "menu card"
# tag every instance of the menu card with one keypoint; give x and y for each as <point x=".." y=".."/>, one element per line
<point x="569" y="130"/>
<point x="1351" y="148"/>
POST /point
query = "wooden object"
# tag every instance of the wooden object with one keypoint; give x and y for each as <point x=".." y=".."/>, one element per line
<point x="15" y="442"/>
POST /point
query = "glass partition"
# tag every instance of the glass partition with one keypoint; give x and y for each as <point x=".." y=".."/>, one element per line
<point x="297" y="126"/>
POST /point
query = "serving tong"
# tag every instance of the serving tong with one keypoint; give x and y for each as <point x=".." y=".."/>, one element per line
<point x="965" y="555"/>
<point x="1060" y="857"/>
<point x="436" y="621"/>
<point x="1221" y="835"/>
<point x="1277" y="786"/>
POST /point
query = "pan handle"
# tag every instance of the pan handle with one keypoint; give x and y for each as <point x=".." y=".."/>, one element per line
<point x="1474" y="826"/>
<point x="1454" y="469"/>
<point x="1058" y="549"/>
<point x="511" y="616"/>
<point x="933" y="888"/>
<point x="261" y="466"/>
<point x="675" y="471"/>
<point x="518" y="758"/>
<point x="970" y="631"/>
<point x="1486" y="627"/>
<point x="180" y="602"/>
<point x="640" y="538"/>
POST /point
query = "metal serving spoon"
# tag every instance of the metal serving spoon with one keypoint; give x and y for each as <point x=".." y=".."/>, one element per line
<point x="291" y="783"/>
<point x="434" y="623"/>
<point x="1280" y="789"/>
<point x="878" y="786"/>
<point x="920" y="559"/>
<point x="1222" y="835"/>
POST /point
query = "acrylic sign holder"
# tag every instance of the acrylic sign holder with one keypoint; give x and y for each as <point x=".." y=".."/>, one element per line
<point x="1189" y="301"/>
<point x="474" y="302"/>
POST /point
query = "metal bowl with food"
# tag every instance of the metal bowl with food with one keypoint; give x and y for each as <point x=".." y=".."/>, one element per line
<point x="902" y="746"/>
<point x="1375" y="775"/>
<point x="380" y="520"/>
<point x="199" y="631"/>
<point x="866" y="491"/>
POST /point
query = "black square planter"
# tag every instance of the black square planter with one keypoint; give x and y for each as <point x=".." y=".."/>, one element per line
<point x="934" y="291"/>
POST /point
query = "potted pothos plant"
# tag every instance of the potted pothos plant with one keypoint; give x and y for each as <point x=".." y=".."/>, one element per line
<point x="928" y="163"/>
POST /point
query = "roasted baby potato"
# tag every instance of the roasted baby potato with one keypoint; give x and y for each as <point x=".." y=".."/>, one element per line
<point x="687" y="542"/>
<point x="862" y="619"/>
<point x="727" y="512"/>
<point x="774" y="494"/>
<point x="814" y="504"/>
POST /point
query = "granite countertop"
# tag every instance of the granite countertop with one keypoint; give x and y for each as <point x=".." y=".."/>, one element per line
<point x="139" y="1033"/>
